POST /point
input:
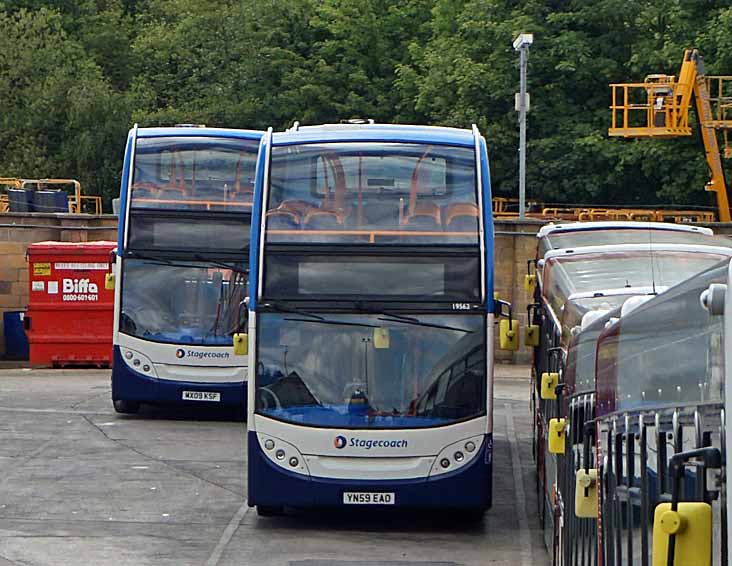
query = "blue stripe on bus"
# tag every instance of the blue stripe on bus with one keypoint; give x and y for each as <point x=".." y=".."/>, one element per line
<point x="123" y="195"/>
<point x="487" y="224"/>
<point x="181" y="132"/>
<point x="257" y="207"/>
<point x="377" y="133"/>
<point x="271" y="485"/>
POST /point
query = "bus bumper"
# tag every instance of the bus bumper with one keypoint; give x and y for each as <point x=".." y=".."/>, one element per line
<point x="468" y="488"/>
<point x="129" y="385"/>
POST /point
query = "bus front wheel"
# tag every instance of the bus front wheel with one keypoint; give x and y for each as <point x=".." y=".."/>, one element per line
<point x="269" y="510"/>
<point x="127" y="407"/>
<point x="471" y="516"/>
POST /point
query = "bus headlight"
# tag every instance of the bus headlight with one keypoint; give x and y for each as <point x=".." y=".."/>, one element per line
<point x="139" y="362"/>
<point x="456" y="455"/>
<point x="282" y="454"/>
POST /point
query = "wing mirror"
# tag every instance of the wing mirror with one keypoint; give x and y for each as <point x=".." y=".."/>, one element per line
<point x="381" y="338"/>
<point x="109" y="278"/>
<point x="557" y="435"/>
<point x="508" y="328"/>
<point x="712" y="299"/>
<point x="549" y="383"/>
<point x="241" y="344"/>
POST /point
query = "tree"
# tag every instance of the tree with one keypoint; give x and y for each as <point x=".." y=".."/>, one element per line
<point x="60" y="116"/>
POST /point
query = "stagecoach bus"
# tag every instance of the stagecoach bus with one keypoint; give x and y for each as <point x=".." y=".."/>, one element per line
<point x="662" y="391"/>
<point x="578" y="285"/>
<point x="371" y="320"/>
<point x="182" y="266"/>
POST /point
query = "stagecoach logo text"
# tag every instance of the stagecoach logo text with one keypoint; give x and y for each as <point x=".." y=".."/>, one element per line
<point x="199" y="355"/>
<point x="79" y="290"/>
<point x="367" y="444"/>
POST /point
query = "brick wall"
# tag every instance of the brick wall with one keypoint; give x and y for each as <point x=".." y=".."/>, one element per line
<point x="18" y="230"/>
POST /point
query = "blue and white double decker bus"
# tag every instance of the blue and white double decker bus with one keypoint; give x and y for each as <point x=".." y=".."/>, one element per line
<point x="182" y="266"/>
<point x="371" y="320"/>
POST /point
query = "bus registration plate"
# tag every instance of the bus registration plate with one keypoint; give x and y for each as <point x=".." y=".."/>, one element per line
<point x="368" y="498"/>
<point x="201" y="396"/>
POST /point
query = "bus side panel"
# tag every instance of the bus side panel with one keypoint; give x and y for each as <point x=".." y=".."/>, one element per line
<point x="270" y="485"/>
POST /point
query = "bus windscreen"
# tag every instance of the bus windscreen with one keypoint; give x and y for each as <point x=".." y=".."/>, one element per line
<point x="371" y="371"/>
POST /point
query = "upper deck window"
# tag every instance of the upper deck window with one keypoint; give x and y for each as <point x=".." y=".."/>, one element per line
<point x="194" y="173"/>
<point x="372" y="192"/>
<point x="599" y="272"/>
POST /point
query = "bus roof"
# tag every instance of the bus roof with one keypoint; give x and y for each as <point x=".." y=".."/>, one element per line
<point x="375" y="133"/>
<point x="630" y="248"/>
<point x="620" y="225"/>
<point x="195" y="131"/>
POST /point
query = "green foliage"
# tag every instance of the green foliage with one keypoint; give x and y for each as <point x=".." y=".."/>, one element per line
<point x="74" y="76"/>
<point x="60" y="116"/>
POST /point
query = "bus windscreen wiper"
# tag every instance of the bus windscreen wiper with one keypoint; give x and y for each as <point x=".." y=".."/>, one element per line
<point x="334" y="322"/>
<point x="149" y="257"/>
<point x="417" y="322"/>
<point x="361" y="307"/>
<point x="292" y="310"/>
<point x="313" y="317"/>
<point x="395" y="317"/>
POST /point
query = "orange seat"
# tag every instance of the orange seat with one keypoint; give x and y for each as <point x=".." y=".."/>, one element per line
<point x="172" y="190"/>
<point x="460" y="210"/>
<point x="318" y="219"/>
<point x="282" y="220"/>
<point x="298" y="207"/>
<point x="426" y="214"/>
<point x="144" y="190"/>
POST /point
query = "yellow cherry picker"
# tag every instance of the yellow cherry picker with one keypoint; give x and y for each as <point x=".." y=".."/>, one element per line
<point x="659" y="108"/>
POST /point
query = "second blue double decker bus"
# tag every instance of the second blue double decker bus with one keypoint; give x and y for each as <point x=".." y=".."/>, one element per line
<point x="371" y="320"/>
<point x="182" y="266"/>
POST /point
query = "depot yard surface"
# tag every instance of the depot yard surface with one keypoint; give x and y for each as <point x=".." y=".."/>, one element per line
<point x="81" y="485"/>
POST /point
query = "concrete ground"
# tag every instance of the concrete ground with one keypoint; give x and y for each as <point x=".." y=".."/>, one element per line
<point x="82" y="485"/>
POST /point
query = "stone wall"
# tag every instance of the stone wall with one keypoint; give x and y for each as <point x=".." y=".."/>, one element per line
<point x="17" y="230"/>
<point x="515" y="244"/>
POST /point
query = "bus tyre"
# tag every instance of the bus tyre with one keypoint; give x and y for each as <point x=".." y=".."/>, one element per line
<point x="472" y="516"/>
<point x="269" y="510"/>
<point x="126" y="407"/>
